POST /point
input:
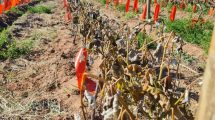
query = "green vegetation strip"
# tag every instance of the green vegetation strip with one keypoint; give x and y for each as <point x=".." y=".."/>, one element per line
<point x="10" y="48"/>
<point x="144" y="39"/>
<point x="40" y="9"/>
<point x="199" y="34"/>
<point x="16" y="10"/>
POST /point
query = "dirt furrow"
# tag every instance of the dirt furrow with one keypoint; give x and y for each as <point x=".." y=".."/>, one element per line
<point x="43" y="81"/>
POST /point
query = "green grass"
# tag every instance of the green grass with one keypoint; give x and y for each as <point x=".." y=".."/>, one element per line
<point x="3" y="38"/>
<point x="102" y="1"/>
<point x="121" y="7"/>
<point x="169" y="7"/>
<point x="16" y="10"/>
<point x="16" y="49"/>
<point x="40" y="9"/>
<point x="205" y="9"/>
<point x="13" y="49"/>
<point x="130" y="15"/>
<point x="188" y="58"/>
<point x="143" y="38"/>
<point x="189" y="8"/>
<point x="199" y="34"/>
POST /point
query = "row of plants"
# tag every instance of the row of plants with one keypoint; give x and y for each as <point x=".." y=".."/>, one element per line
<point x="198" y="33"/>
<point x="137" y="75"/>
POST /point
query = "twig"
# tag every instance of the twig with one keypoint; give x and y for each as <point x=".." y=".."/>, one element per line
<point x="95" y="77"/>
<point x="120" y="114"/>
<point x="81" y="93"/>
<point x="190" y="69"/>
<point x="191" y="84"/>
<point x="162" y="62"/>
<point x="173" y="114"/>
<point x="126" y="108"/>
<point x="153" y="42"/>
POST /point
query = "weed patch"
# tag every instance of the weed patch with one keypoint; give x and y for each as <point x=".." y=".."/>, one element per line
<point x="3" y="39"/>
<point x="199" y="34"/>
<point x="189" y="8"/>
<point x="144" y="39"/>
<point x="102" y="2"/>
<point x="121" y="7"/>
<point x="11" y="48"/>
<point x="40" y="9"/>
<point x="188" y="58"/>
<point x="130" y="15"/>
<point x="16" y="10"/>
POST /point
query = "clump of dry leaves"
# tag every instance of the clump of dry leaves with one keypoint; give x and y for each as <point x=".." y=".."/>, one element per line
<point x="133" y="82"/>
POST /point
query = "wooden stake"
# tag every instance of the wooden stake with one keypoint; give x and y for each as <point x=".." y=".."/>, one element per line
<point x="206" y="109"/>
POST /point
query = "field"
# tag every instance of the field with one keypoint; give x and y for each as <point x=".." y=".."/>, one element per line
<point x="93" y="60"/>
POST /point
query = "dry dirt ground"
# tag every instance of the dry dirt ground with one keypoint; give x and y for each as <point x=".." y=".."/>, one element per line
<point x="42" y="84"/>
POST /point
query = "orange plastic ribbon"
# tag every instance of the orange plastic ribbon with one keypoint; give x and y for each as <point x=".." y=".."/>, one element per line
<point x="107" y="1"/>
<point x="7" y="5"/>
<point x="173" y="12"/>
<point x="194" y="8"/>
<point x="156" y="14"/>
<point x="135" y="9"/>
<point x="80" y="66"/>
<point x="1" y="9"/>
<point x="143" y="16"/>
<point x="127" y="6"/>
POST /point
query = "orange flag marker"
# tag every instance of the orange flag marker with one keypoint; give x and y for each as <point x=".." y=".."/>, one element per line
<point x="156" y="14"/>
<point x="135" y="9"/>
<point x="1" y="9"/>
<point x="7" y="5"/>
<point x="143" y="16"/>
<point x="80" y="66"/>
<point x="173" y="12"/>
<point x="127" y="6"/>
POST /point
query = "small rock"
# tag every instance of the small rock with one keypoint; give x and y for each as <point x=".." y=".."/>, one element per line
<point x="52" y="51"/>
<point x="68" y="95"/>
<point x="52" y="86"/>
<point x="200" y="70"/>
<point x="64" y="56"/>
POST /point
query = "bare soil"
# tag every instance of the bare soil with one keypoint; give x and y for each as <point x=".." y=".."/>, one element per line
<point x="42" y="83"/>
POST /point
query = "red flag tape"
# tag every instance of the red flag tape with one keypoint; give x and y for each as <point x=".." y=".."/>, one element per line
<point x="173" y="12"/>
<point x="1" y="9"/>
<point x="156" y="14"/>
<point x="7" y="5"/>
<point x="194" y="8"/>
<point x="107" y="1"/>
<point x="65" y="3"/>
<point x="143" y="16"/>
<point x="90" y="85"/>
<point x="135" y="5"/>
<point x="80" y="66"/>
<point x="211" y="11"/>
<point x="127" y="6"/>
